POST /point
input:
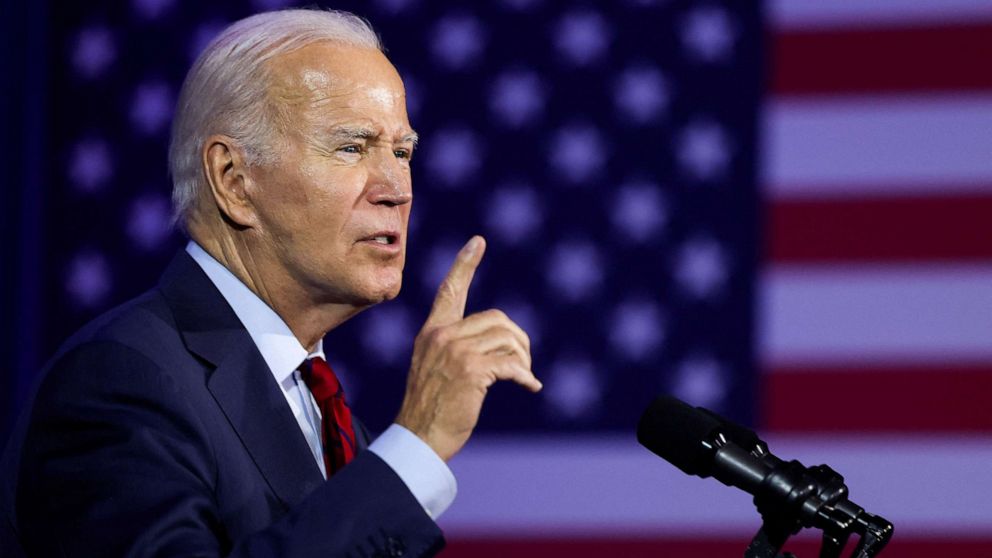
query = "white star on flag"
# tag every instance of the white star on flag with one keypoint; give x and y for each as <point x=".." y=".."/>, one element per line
<point x="708" y="34"/>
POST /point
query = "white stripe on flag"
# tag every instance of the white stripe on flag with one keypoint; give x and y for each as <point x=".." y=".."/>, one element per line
<point x="611" y="486"/>
<point x="876" y="314"/>
<point x="878" y="145"/>
<point x="852" y="14"/>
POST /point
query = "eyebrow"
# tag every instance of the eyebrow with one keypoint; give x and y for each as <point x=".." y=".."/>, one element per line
<point x="353" y="132"/>
<point x="363" y="133"/>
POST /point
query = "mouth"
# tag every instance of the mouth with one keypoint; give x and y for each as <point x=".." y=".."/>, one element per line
<point x="384" y="239"/>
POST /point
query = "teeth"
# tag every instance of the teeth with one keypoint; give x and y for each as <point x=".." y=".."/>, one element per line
<point x="381" y="239"/>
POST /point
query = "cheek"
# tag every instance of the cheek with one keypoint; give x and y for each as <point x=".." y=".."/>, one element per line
<point x="283" y="185"/>
<point x="273" y="203"/>
<point x="311" y="172"/>
<point x="331" y="205"/>
<point x="286" y="207"/>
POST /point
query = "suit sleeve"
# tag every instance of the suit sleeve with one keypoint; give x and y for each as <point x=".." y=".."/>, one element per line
<point x="116" y="463"/>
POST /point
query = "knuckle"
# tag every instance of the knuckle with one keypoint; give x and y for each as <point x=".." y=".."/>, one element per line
<point x="449" y="287"/>
<point x="526" y="340"/>
<point x="497" y="314"/>
<point x="461" y="351"/>
<point x="441" y="335"/>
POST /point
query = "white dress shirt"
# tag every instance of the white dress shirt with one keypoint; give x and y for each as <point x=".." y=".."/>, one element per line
<point x="421" y="469"/>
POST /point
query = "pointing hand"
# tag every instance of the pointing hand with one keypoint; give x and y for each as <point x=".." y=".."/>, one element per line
<point x="457" y="358"/>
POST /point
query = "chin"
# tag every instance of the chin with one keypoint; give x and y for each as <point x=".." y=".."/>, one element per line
<point x="390" y="293"/>
<point x="383" y="289"/>
<point x="365" y="285"/>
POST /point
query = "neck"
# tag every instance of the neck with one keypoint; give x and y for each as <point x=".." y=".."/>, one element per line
<point x="307" y="318"/>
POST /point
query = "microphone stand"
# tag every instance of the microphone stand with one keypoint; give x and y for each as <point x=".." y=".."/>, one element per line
<point x="820" y="501"/>
<point x="768" y="542"/>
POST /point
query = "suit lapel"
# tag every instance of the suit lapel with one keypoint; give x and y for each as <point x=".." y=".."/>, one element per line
<point x="244" y="388"/>
<point x="241" y="382"/>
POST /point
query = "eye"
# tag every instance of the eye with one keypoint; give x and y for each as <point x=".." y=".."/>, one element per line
<point x="402" y="153"/>
<point x="351" y="148"/>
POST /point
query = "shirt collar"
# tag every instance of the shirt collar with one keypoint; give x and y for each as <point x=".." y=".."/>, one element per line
<point x="280" y="349"/>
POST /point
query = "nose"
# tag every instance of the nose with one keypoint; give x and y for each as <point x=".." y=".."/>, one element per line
<point x="389" y="183"/>
<point x="389" y="193"/>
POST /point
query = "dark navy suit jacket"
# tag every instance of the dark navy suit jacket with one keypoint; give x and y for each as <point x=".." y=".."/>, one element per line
<point x="158" y="430"/>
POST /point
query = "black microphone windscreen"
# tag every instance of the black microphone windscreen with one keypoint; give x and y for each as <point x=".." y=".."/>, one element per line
<point x="739" y="435"/>
<point x="675" y="432"/>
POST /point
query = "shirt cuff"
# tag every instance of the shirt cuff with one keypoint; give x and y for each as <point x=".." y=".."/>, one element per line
<point x="423" y="471"/>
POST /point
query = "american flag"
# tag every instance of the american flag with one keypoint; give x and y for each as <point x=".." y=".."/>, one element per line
<point x="780" y="211"/>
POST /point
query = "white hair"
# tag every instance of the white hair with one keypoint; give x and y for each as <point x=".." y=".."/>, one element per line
<point x="225" y="92"/>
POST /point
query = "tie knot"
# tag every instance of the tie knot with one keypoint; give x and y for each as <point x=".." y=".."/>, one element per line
<point x="321" y="380"/>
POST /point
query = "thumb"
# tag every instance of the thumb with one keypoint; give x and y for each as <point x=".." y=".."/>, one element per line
<point x="449" y="303"/>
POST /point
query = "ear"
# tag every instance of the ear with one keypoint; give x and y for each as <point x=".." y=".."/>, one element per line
<point x="228" y="177"/>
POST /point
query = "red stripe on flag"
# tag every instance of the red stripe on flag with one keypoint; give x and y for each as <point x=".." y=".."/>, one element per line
<point x="702" y="546"/>
<point x="884" y="229"/>
<point x="876" y="399"/>
<point x="878" y="60"/>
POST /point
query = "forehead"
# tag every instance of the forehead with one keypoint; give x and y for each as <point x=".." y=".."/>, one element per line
<point x="331" y="76"/>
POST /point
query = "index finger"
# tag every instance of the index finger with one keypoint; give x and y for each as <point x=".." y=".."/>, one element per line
<point x="449" y="303"/>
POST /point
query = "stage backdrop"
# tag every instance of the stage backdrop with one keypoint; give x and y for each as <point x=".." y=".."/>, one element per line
<point x="781" y="212"/>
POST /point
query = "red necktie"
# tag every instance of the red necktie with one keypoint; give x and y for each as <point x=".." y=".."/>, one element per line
<point x="337" y="434"/>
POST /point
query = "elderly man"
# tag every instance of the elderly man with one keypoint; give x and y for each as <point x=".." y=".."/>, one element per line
<point x="201" y="419"/>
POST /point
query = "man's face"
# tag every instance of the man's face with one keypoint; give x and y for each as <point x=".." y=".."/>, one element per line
<point x="333" y="208"/>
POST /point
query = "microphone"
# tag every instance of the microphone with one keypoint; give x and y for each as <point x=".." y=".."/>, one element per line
<point x="875" y="530"/>
<point x="702" y="443"/>
<point x="697" y="443"/>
